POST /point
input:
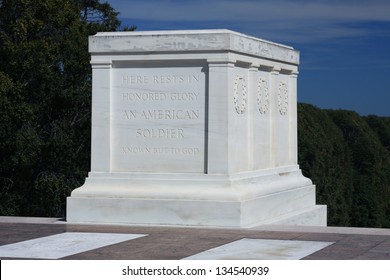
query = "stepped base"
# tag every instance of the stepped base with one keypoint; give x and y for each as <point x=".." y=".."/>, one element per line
<point x="242" y="201"/>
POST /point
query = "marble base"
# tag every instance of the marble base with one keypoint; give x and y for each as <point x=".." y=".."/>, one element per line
<point x="277" y="196"/>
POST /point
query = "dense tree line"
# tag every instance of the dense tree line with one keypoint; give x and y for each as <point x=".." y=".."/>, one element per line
<point x="45" y="100"/>
<point x="348" y="158"/>
<point x="45" y="103"/>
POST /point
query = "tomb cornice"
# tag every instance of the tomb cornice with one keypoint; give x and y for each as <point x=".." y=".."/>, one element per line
<point x="195" y="41"/>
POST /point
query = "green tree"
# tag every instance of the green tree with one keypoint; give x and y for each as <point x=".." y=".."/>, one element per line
<point x="381" y="125"/>
<point x="325" y="159"/>
<point x="347" y="158"/>
<point x="45" y="93"/>
<point x="17" y="151"/>
<point x="371" y="172"/>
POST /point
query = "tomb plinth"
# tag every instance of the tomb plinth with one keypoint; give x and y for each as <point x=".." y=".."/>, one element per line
<point x="194" y="128"/>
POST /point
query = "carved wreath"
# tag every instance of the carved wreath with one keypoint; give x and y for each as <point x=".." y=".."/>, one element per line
<point x="240" y="108"/>
<point x="263" y="96"/>
<point x="283" y="98"/>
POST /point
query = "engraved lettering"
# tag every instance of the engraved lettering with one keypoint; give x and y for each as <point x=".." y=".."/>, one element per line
<point x="170" y="133"/>
<point x="169" y="79"/>
<point x="125" y="79"/>
<point x="170" y="114"/>
<point x="186" y="96"/>
<point x="186" y="151"/>
<point x="128" y="80"/>
<point x="144" y="96"/>
<point x="182" y="151"/>
<point x="158" y="115"/>
<point x="136" y="150"/>
<point x="130" y="114"/>
<point x="193" y="79"/>
<point x="160" y="96"/>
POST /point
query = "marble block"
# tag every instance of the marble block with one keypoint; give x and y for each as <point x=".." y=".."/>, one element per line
<point x="194" y="128"/>
<point x="63" y="244"/>
<point x="261" y="249"/>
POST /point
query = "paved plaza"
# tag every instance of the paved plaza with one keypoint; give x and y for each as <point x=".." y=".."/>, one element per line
<point x="50" y="238"/>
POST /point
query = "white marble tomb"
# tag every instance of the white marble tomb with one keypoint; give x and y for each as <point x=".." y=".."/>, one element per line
<point x="194" y="128"/>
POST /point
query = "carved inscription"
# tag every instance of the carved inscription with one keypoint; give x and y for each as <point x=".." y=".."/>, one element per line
<point x="159" y="119"/>
<point x="170" y="114"/>
<point x="159" y="96"/>
<point x="160" y="79"/>
<point x="160" y="150"/>
<point x="160" y="133"/>
<point x="156" y="97"/>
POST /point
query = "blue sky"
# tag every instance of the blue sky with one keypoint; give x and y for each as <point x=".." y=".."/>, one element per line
<point x="344" y="44"/>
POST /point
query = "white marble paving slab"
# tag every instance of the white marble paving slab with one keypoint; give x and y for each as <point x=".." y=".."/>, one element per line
<point x="261" y="249"/>
<point x="63" y="244"/>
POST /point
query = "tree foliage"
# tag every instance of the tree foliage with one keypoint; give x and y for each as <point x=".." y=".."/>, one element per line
<point x="45" y="95"/>
<point x="324" y="157"/>
<point x="347" y="158"/>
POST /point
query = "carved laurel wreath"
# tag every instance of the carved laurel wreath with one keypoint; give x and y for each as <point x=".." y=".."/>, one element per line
<point x="283" y="98"/>
<point x="263" y="96"/>
<point x="240" y="108"/>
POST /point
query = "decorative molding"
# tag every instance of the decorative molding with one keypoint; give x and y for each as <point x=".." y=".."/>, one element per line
<point x="101" y="64"/>
<point x="240" y="108"/>
<point x="221" y="62"/>
<point x="283" y="98"/>
<point x="263" y="96"/>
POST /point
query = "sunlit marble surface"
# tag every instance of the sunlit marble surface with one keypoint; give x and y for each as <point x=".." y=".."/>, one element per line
<point x="62" y="245"/>
<point x="261" y="249"/>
